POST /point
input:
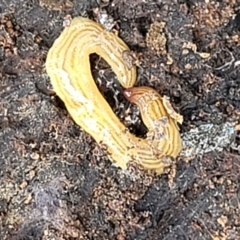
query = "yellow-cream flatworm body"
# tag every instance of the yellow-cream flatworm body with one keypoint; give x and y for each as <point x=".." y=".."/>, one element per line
<point x="68" y="66"/>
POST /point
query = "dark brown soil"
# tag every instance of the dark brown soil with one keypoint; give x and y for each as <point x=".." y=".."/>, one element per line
<point x="57" y="183"/>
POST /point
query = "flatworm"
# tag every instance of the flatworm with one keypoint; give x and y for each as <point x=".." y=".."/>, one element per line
<point x="68" y="66"/>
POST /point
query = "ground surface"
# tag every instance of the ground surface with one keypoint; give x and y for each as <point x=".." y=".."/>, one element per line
<point x="56" y="183"/>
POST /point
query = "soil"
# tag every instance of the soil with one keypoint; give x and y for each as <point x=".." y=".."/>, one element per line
<point x="57" y="183"/>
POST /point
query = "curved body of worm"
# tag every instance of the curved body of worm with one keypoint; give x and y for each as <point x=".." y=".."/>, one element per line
<point x="69" y="69"/>
<point x="163" y="132"/>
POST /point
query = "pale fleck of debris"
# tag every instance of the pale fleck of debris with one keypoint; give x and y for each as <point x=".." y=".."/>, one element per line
<point x="156" y="38"/>
<point x="106" y="20"/>
<point x="46" y="232"/>
<point x="23" y="185"/>
<point x="193" y="47"/>
<point x="188" y="66"/>
<point x="32" y="174"/>
<point x="204" y="55"/>
<point x="153" y="78"/>
<point x="67" y="21"/>
<point x="169" y="59"/>
<point x="185" y="51"/>
<point x="35" y="156"/>
<point x="222" y="221"/>
<point x="237" y="127"/>
<point x="28" y="199"/>
<point x="190" y="45"/>
<point x="131" y="58"/>
<point x="57" y="5"/>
